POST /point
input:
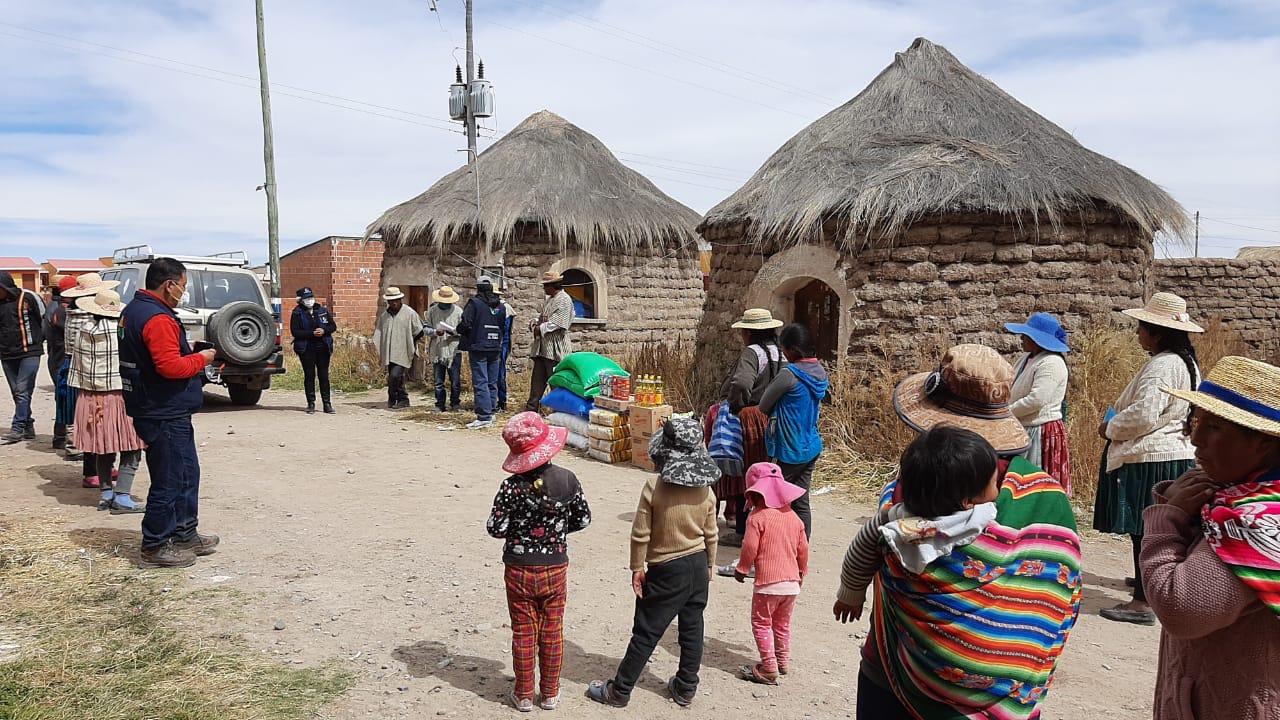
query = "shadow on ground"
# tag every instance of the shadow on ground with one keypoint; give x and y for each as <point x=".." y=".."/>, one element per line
<point x="112" y="541"/>
<point x="63" y="484"/>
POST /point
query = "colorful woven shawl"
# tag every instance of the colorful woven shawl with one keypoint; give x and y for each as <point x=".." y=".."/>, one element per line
<point x="1242" y="525"/>
<point x="978" y="634"/>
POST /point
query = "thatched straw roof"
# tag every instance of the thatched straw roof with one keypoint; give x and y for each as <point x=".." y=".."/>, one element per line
<point x="546" y="171"/>
<point x="1258" y="253"/>
<point x="931" y="136"/>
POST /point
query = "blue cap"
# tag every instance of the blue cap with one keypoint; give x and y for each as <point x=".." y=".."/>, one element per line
<point x="1044" y="329"/>
<point x="304" y="293"/>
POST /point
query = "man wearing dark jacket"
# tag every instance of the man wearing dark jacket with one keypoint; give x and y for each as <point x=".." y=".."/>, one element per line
<point x="482" y="322"/>
<point x="21" y="345"/>
<point x="55" y="337"/>
<point x="161" y="377"/>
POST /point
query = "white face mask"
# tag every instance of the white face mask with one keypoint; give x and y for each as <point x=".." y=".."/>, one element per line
<point x="308" y="302"/>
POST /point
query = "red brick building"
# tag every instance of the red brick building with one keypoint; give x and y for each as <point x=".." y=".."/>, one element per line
<point x="344" y="273"/>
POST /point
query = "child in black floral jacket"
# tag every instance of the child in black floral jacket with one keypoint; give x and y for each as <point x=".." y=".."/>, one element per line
<point x="534" y="511"/>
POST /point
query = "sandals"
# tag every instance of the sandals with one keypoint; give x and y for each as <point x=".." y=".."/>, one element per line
<point x="755" y="673"/>
<point x="602" y="692"/>
<point x="521" y="704"/>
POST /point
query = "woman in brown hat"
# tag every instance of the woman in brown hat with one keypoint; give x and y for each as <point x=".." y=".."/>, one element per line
<point x="734" y="426"/>
<point x="1145" y="442"/>
<point x="1211" y="553"/>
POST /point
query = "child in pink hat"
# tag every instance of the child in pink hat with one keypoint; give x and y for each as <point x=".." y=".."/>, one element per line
<point x="534" y="511"/>
<point x="775" y="544"/>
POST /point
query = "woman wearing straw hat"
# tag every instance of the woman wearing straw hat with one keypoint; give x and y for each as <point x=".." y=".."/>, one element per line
<point x="87" y="285"/>
<point x="734" y="426"/>
<point x="312" y="327"/>
<point x="442" y="320"/>
<point x="1145" y="442"/>
<point x="1040" y="392"/>
<point x="975" y="596"/>
<point x="102" y="426"/>
<point x="1211" y="554"/>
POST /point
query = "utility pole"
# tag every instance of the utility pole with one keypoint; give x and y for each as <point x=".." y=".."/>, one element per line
<point x="1197" y="246"/>
<point x="471" y="76"/>
<point x="269" y="157"/>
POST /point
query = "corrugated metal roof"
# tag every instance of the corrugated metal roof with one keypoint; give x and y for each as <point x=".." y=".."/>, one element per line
<point x="18" y="263"/>
<point x="63" y="264"/>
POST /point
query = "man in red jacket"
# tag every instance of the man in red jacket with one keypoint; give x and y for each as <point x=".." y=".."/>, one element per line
<point x="162" y="389"/>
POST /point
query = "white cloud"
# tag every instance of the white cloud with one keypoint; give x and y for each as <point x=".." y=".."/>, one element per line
<point x="1177" y="100"/>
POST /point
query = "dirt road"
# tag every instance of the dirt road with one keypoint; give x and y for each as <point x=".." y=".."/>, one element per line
<point x="363" y="534"/>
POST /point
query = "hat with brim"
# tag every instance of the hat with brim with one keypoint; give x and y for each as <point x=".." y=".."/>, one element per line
<point x="757" y="319"/>
<point x="680" y="455"/>
<point x="445" y="295"/>
<point x="1166" y="310"/>
<point x="1044" y="330"/>
<point x="766" y="480"/>
<point x="552" y="278"/>
<point x="1243" y="391"/>
<point x="89" y="284"/>
<point x="970" y="389"/>
<point x="392" y="293"/>
<point x="106" y="303"/>
<point x="531" y="442"/>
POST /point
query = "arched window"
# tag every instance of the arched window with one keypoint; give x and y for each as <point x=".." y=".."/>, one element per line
<point x="582" y="288"/>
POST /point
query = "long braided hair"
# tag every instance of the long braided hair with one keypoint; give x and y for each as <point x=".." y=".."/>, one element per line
<point x="1179" y="343"/>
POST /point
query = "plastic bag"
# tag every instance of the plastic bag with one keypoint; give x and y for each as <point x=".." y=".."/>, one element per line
<point x="562" y="400"/>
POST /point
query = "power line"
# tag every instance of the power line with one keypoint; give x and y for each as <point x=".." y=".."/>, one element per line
<point x="1247" y="227"/>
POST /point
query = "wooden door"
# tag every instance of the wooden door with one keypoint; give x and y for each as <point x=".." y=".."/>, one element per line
<point x="817" y="307"/>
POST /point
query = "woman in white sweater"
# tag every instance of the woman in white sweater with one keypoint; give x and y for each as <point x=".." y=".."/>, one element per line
<point x="1147" y="437"/>
<point x="1039" y="394"/>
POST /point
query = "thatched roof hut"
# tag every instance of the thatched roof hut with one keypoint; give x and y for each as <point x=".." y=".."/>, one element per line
<point x="1258" y="253"/>
<point x="550" y="196"/>
<point x="932" y="202"/>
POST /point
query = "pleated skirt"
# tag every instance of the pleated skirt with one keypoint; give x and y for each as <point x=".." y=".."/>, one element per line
<point x="1125" y="492"/>
<point x="102" y="426"/>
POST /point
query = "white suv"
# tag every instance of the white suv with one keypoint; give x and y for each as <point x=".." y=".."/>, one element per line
<point x="226" y="305"/>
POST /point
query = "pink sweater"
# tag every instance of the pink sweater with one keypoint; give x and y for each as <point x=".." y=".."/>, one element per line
<point x="775" y="544"/>
<point x="1219" y="645"/>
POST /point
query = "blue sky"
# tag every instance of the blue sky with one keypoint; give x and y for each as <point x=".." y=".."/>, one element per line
<point x="138" y="122"/>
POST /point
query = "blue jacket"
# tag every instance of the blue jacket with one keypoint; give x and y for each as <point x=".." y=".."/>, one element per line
<point x="792" y="436"/>
<point x="482" y="325"/>
<point x="148" y="395"/>
<point x="303" y="322"/>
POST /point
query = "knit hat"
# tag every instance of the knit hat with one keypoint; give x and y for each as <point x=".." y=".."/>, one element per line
<point x="680" y="455"/>
<point x="531" y="441"/>
<point x="1044" y="329"/>
<point x="89" y="284"/>
<point x="970" y="389"/>
<point x="765" y="479"/>
<point x="1244" y="391"/>
<point x="1166" y="310"/>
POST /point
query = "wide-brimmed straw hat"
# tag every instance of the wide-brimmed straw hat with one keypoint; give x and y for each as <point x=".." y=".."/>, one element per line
<point x="106" y="303"/>
<point x="531" y="442"/>
<point x="1166" y="310"/>
<point x="765" y="479"/>
<point x="757" y="319"/>
<point x="551" y="278"/>
<point x="392" y="293"/>
<point x="1043" y="329"/>
<point x="1244" y="391"/>
<point x="970" y="389"/>
<point x="89" y="284"/>
<point x="680" y="455"/>
<point x="444" y="295"/>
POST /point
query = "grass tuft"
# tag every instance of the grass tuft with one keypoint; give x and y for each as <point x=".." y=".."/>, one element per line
<point x="87" y="636"/>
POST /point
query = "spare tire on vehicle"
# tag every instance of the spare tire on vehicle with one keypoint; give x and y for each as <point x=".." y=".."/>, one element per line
<point x="243" y="332"/>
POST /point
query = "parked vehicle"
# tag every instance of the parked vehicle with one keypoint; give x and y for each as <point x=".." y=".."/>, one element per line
<point x="225" y="304"/>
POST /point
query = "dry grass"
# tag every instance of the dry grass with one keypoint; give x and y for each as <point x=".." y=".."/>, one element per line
<point x="674" y="362"/>
<point x="84" y="635"/>
<point x="354" y="367"/>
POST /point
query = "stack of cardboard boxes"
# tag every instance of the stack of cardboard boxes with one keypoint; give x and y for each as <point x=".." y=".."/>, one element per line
<point x="646" y="421"/>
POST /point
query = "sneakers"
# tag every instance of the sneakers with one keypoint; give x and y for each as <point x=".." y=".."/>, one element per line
<point x="131" y="509"/>
<point x="550" y="703"/>
<point x="683" y="699"/>
<point x="730" y="569"/>
<point x="167" y="555"/>
<point x="11" y="437"/>
<point x="480" y="424"/>
<point x="523" y="704"/>
<point x="200" y="544"/>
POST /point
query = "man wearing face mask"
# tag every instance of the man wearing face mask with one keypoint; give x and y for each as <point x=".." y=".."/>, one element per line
<point x="160" y="374"/>
<point x="312" y="327"/>
<point x="442" y="320"/>
<point x="396" y="335"/>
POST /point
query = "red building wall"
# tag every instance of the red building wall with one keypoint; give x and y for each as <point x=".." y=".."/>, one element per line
<point x="345" y="275"/>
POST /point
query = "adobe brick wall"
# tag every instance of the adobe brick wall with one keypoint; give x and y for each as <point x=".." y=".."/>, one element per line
<point x="1245" y="294"/>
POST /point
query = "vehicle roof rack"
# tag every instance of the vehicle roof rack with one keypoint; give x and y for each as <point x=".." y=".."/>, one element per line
<point x="144" y="253"/>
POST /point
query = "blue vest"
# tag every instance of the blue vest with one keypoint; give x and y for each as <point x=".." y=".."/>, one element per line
<point x="487" y="326"/>
<point x="147" y="394"/>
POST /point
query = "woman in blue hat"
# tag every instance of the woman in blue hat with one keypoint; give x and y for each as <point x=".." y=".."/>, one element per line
<point x="1040" y="392"/>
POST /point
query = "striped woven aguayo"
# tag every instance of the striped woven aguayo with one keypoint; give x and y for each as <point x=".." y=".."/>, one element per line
<point x="979" y="632"/>
<point x="1242" y="525"/>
